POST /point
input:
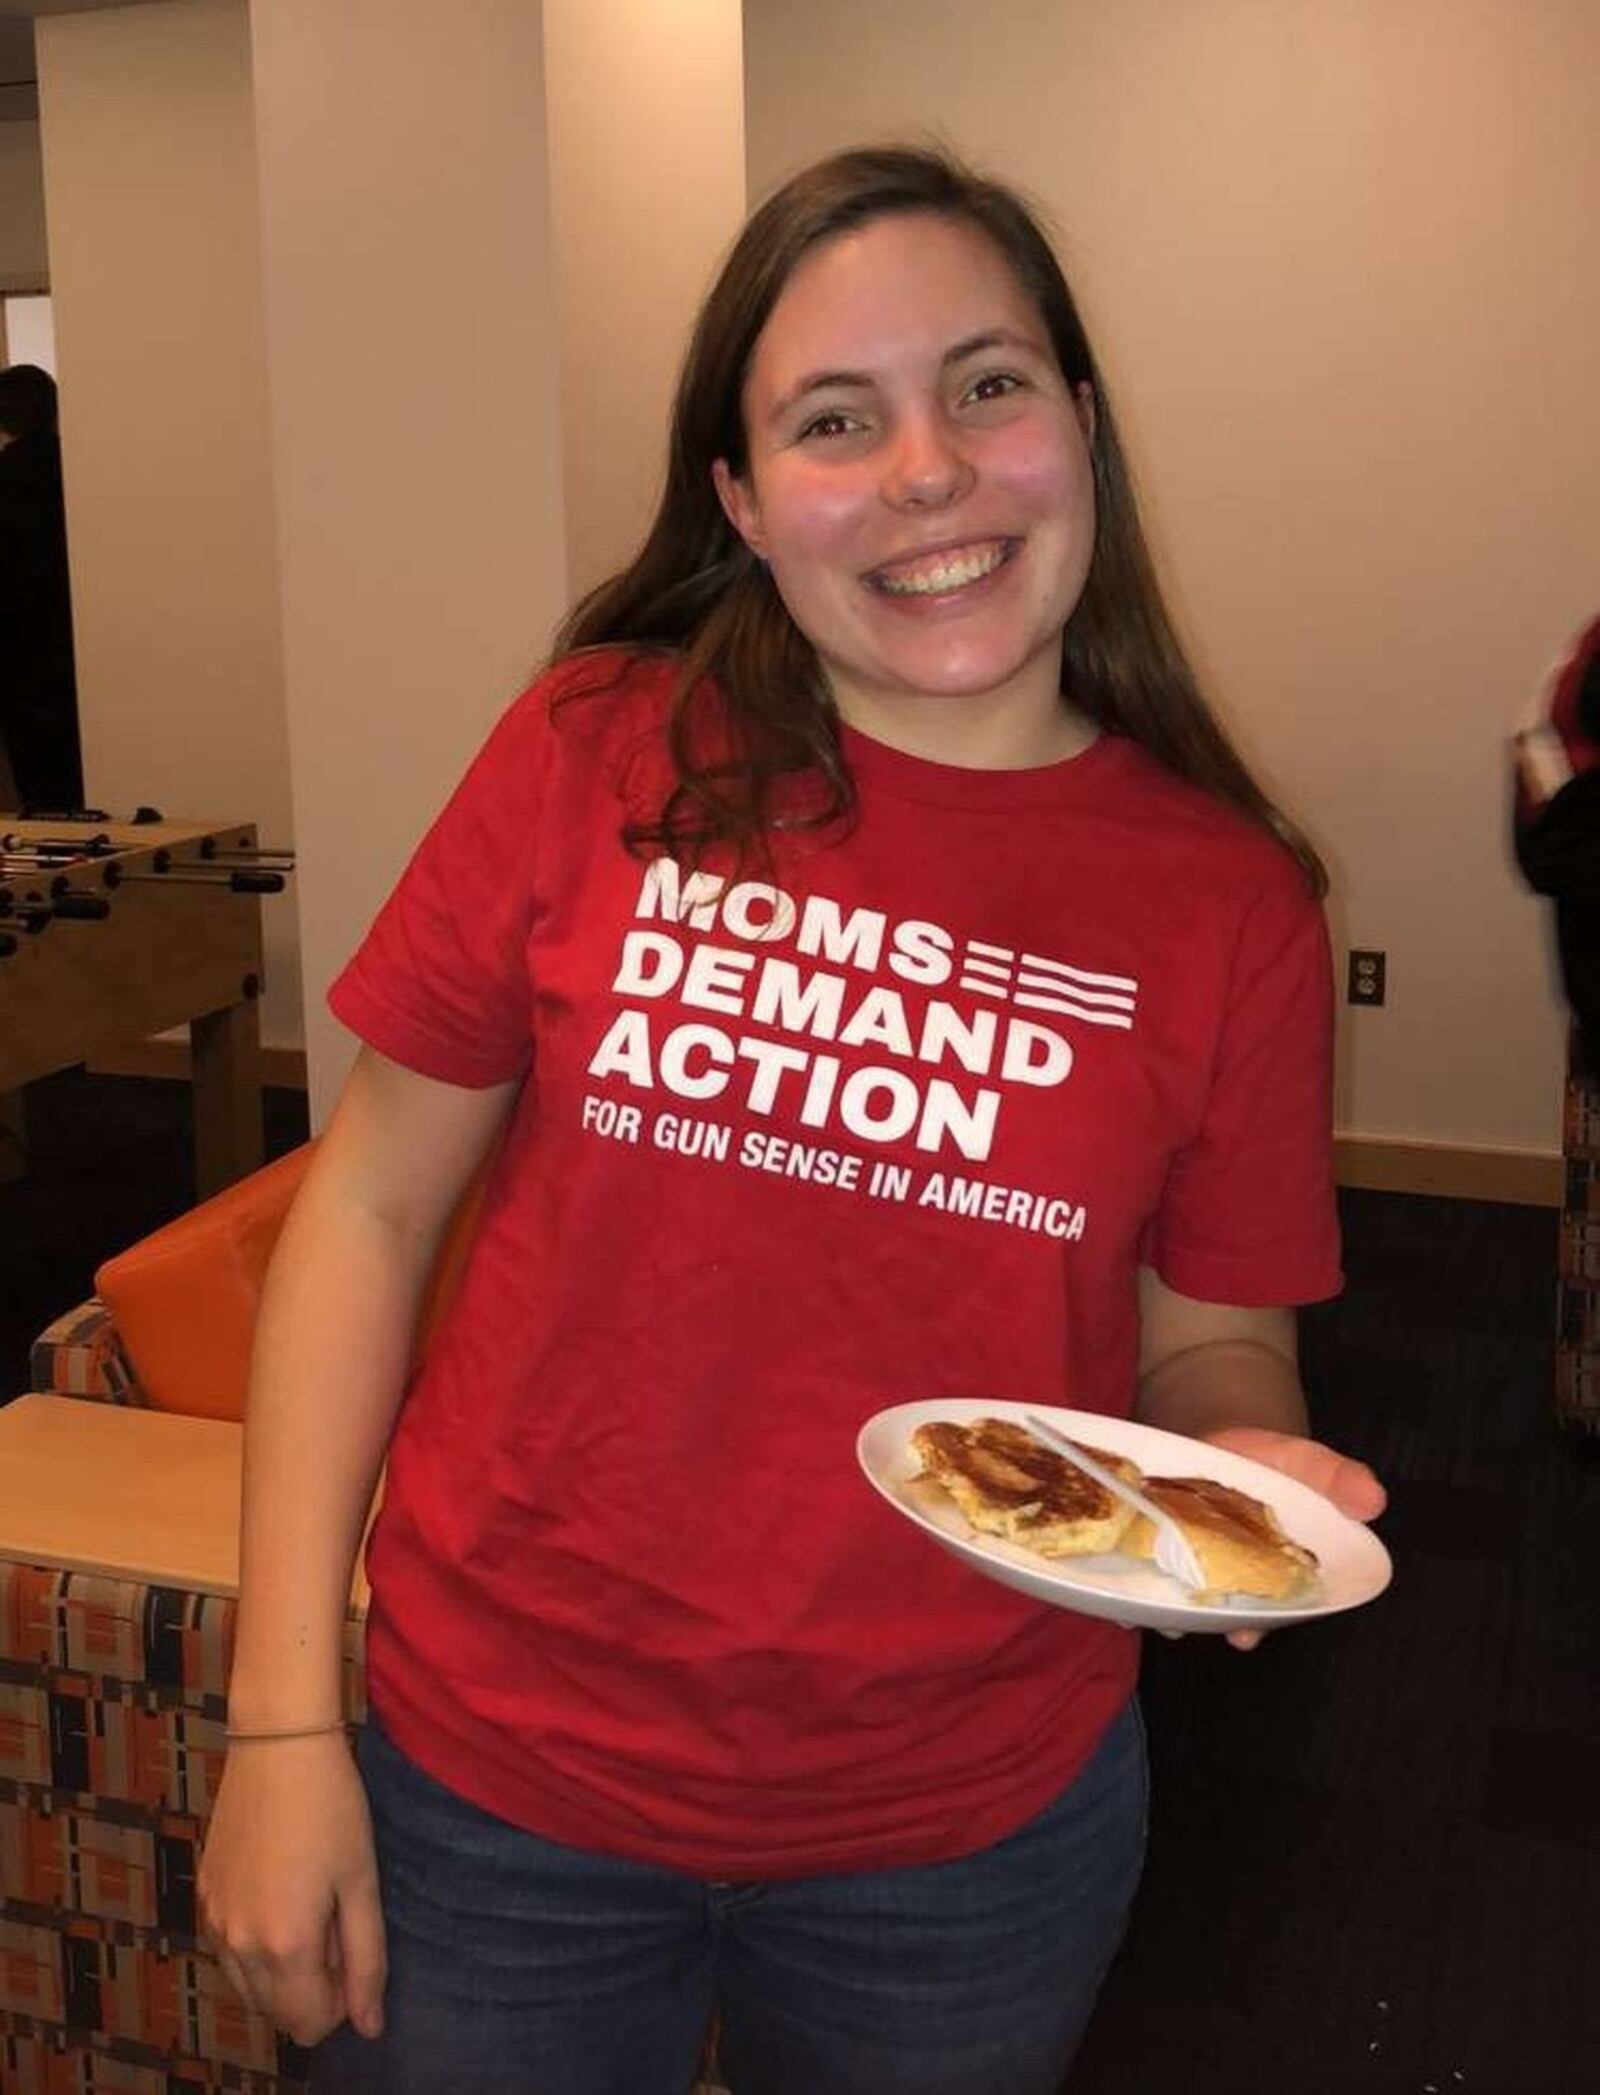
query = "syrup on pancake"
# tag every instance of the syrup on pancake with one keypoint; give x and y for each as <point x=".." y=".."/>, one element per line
<point x="1008" y="1484"/>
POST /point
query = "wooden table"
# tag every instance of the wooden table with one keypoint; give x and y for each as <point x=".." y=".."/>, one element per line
<point x="172" y="951"/>
<point x="124" y="1493"/>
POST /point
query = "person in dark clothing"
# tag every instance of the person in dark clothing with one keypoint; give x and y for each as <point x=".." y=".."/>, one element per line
<point x="38" y="690"/>
<point x="1556" y="827"/>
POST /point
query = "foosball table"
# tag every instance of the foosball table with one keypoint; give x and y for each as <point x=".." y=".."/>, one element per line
<point x="110" y="931"/>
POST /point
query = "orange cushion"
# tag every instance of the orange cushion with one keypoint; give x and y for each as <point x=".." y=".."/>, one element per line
<point x="184" y="1299"/>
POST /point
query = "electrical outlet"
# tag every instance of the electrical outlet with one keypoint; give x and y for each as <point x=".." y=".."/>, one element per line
<point x="1365" y="982"/>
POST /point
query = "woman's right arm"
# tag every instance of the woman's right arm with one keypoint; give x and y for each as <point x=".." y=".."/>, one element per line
<point x="287" y="1884"/>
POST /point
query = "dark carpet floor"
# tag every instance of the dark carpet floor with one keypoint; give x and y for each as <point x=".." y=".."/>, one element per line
<point x="1375" y="1847"/>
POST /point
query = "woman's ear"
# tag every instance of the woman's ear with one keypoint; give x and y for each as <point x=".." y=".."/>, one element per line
<point x="739" y="506"/>
<point x="1083" y="400"/>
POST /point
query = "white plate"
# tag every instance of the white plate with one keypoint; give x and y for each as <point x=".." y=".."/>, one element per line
<point x="1353" y="1565"/>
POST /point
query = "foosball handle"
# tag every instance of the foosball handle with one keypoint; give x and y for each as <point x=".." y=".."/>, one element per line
<point x="84" y="909"/>
<point x="256" y="883"/>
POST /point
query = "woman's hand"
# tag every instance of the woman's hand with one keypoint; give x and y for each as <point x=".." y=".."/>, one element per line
<point x="1349" y="1484"/>
<point x="1229" y="1375"/>
<point x="289" y="1887"/>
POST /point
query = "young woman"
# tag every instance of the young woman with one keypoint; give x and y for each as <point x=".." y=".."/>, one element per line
<point x="882" y="981"/>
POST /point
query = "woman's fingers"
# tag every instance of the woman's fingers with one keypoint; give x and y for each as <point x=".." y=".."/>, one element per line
<point x="1357" y="1491"/>
<point x="294" y="1988"/>
<point x="237" y="1974"/>
<point x="1350" y="1484"/>
<point x="296" y="1992"/>
<point x="358" y="1952"/>
<point x="307" y="1999"/>
<point x="289" y="1889"/>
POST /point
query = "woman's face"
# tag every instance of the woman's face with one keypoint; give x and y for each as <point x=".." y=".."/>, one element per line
<point x="919" y="476"/>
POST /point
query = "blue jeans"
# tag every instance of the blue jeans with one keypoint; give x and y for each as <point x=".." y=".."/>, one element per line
<point x="517" y="1967"/>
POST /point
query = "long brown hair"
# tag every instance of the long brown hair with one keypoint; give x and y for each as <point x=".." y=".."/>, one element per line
<point x="695" y="590"/>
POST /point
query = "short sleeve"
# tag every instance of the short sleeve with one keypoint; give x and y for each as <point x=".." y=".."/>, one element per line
<point x="440" y="982"/>
<point x="1248" y="1215"/>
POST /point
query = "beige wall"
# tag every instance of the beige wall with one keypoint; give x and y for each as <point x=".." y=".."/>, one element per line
<point x="149" y="155"/>
<point x="1339" y="263"/>
<point x="22" y="256"/>
<point x="416" y="429"/>
<point x="646" y="121"/>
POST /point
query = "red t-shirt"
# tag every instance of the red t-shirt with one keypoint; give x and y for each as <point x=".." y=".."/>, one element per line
<point x="899" y="1123"/>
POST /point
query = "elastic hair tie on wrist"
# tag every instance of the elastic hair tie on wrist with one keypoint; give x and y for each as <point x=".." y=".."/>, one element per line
<point x="302" y="1731"/>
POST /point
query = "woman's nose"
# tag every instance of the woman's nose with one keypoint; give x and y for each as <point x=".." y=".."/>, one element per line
<point x="927" y="467"/>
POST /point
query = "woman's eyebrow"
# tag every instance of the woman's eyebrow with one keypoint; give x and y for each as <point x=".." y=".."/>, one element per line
<point x="992" y="338"/>
<point x="820" y="382"/>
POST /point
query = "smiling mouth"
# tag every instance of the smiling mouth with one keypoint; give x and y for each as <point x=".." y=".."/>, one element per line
<point x="942" y="573"/>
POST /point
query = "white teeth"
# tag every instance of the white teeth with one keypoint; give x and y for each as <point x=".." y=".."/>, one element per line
<point x="945" y="575"/>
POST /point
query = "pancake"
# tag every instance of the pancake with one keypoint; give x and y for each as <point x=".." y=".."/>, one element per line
<point x="1241" y="1546"/>
<point x="1006" y="1483"/>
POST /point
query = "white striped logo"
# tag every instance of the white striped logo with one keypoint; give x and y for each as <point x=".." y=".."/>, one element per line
<point x="1034" y="983"/>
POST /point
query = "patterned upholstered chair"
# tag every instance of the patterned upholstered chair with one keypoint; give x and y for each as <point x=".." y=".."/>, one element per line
<point x="112" y="1691"/>
<point x="112" y="1701"/>
<point x="111" y="1713"/>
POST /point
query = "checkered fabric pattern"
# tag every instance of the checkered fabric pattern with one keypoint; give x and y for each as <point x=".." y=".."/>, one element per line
<point x="111" y="1746"/>
<point x="78" y="1356"/>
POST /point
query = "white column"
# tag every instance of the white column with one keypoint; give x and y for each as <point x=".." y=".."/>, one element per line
<point x="646" y="113"/>
<point x="470" y="217"/>
<point x="411" y="346"/>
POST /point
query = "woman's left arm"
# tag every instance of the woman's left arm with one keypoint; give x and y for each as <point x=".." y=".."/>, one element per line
<point x="1232" y="1376"/>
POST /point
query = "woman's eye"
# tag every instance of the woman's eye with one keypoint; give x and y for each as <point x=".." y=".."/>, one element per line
<point x="994" y="385"/>
<point x="833" y="423"/>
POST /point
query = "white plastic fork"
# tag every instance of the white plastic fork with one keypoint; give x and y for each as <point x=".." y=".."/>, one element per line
<point x="1174" y="1552"/>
